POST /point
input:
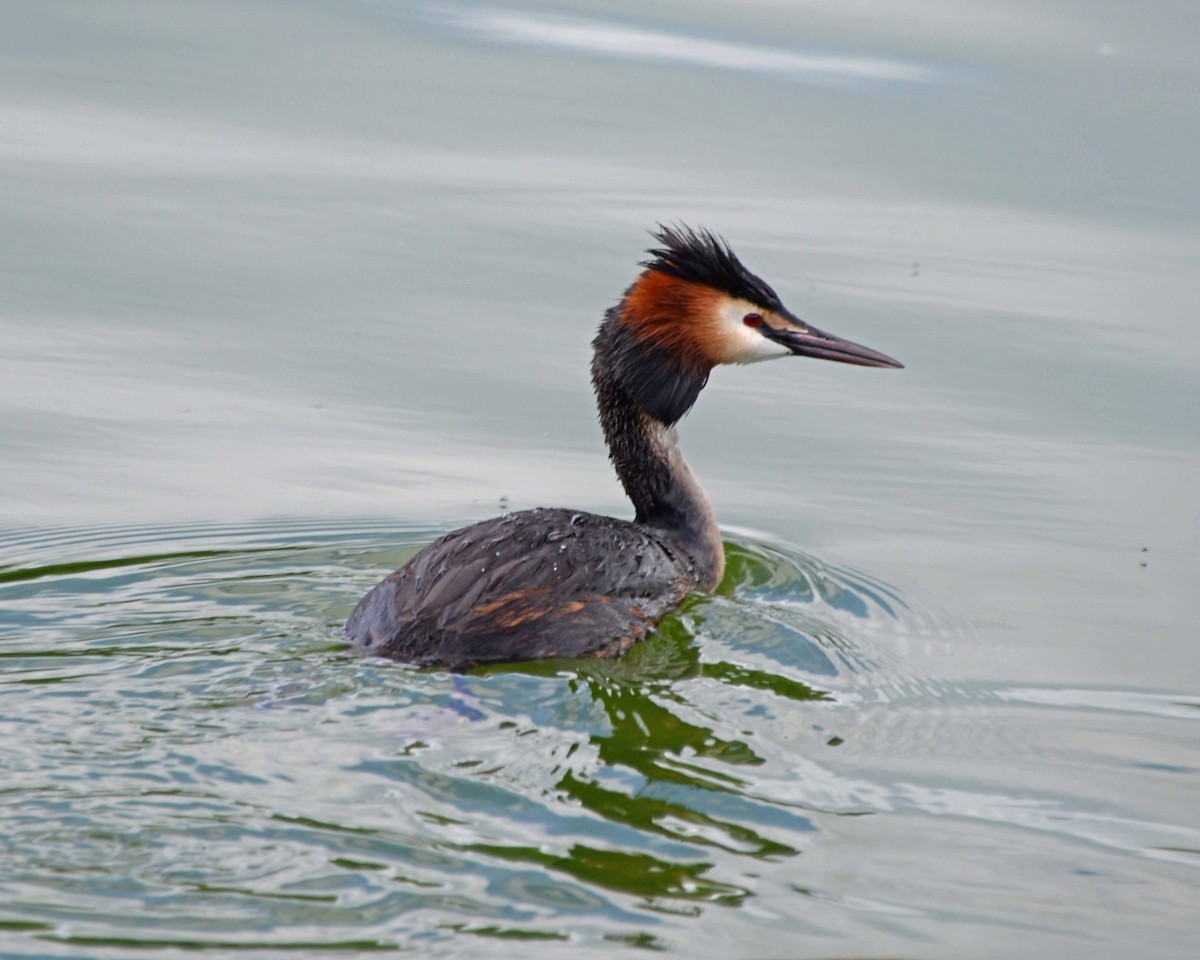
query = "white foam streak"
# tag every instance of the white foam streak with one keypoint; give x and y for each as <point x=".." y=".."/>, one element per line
<point x="600" y="38"/>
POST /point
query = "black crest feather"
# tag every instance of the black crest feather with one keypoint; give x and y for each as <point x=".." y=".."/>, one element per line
<point x="703" y="257"/>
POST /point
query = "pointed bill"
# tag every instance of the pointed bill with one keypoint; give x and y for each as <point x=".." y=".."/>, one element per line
<point x="805" y="341"/>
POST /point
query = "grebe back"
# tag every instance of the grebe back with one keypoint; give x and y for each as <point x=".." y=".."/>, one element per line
<point x="560" y="583"/>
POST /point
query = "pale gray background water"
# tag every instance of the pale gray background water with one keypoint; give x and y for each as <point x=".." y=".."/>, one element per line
<point x="288" y="289"/>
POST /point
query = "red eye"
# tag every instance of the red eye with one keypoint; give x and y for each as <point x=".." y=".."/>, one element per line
<point x="752" y="319"/>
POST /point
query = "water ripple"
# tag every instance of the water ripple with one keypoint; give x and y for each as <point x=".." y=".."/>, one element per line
<point x="193" y="761"/>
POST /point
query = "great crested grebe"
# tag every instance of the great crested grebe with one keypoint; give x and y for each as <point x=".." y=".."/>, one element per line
<point x="561" y="583"/>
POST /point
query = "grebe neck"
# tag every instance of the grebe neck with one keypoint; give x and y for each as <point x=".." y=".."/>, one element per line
<point x="645" y="453"/>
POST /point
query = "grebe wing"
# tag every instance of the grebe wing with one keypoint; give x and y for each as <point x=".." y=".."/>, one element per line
<point x="529" y="585"/>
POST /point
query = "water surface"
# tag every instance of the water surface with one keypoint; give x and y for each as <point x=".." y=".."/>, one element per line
<point x="289" y="290"/>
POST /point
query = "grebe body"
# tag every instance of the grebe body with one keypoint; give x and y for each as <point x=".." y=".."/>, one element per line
<point x="559" y="583"/>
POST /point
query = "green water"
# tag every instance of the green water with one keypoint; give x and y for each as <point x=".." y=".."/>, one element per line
<point x="289" y="290"/>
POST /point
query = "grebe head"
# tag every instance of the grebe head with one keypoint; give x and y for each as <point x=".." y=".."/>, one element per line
<point x="695" y="307"/>
<point x="697" y="297"/>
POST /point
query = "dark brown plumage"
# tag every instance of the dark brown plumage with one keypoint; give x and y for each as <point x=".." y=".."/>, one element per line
<point x="541" y="583"/>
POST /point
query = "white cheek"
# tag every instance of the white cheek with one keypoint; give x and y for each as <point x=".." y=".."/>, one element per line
<point x="745" y="344"/>
<point x="758" y="348"/>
